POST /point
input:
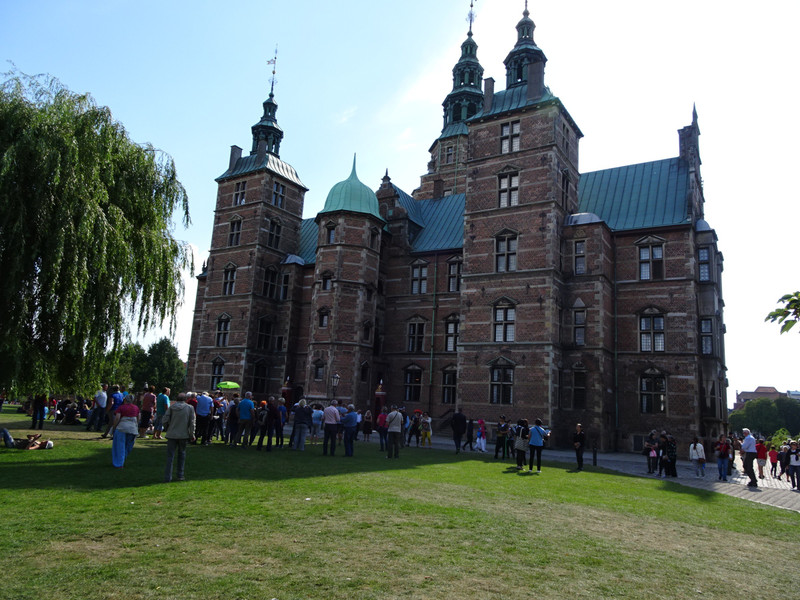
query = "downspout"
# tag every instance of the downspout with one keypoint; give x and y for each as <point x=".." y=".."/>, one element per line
<point x="616" y="353"/>
<point x="433" y="331"/>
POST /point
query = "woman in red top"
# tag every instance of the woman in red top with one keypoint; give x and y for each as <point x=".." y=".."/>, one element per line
<point x="723" y="449"/>
<point x="125" y="429"/>
<point x="773" y="461"/>
<point x="761" y="457"/>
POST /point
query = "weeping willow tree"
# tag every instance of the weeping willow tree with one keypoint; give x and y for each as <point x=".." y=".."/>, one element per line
<point x="86" y="242"/>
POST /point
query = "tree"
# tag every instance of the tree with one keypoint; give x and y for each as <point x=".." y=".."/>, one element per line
<point x="789" y="314"/>
<point x="165" y="367"/>
<point x="86" y="238"/>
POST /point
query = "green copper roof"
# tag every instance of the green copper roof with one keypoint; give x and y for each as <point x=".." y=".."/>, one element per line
<point x="513" y="99"/>
<point x="352" y="195"/>
<point x="653" y="194"/>
<point x="440" y="221"/>
<point x="270" y="162"/>
<point x="309" y="231"/>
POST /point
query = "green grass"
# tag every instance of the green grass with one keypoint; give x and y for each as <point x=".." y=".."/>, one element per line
<point x="429" y="525"/>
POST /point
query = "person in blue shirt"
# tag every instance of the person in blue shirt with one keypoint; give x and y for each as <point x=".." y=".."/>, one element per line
<point x="246" y="415"/>
<point x="350" y="426"/>
<point x="538" y="435"/>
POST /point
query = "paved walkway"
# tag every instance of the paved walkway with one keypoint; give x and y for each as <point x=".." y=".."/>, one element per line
<point x="771" y="491"/>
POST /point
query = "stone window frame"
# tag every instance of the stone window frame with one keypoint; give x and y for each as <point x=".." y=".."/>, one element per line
<point x="278" y="194"/>
<point x="452" y="324"/>
<point x="579" y="257"/>
<point x="270" y="288"/>
<point x="235" y="231"/>
<point x="455" y="266"/>
<point x="274" y="231"/>
<point x="419" y="277"/>
<point x="412" y="383"/>
<point x="449" y="384"/>
<point x="217" y="371"/>
<point x="506" y="248"/>
<point x="504" y="320"/>
<point x="318" y="370"/>
<point x="653" y="392"/>
<point x="508" y="189"/>
<point x="239" y="193"/>
<point x="704" y="264"/>
<point x="324" y="317"/>
<point x="326" y="281"/>
<point x="652" y="328"/>
<point x="580" y="384"/>
<point x="510" y="134"/>
<point x="579" y="326"/>
<point x="415" y="334"/>
<point x="651" y="251"/>
<point x="229" y="280"/>
<point x="222" y="333"/>
<point x="264" y="333"/>
<point x="330" y="233"/>
<point x="706" y="336"/>
<point x="501" y="381"/>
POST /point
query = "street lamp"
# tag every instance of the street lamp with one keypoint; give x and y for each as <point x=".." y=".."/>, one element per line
<point x="335" y="383"/>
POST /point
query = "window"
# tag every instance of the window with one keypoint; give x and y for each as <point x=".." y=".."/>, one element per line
<point x="324" y="317"/>
<point x="502" y="386"/>
<point x="373" y="239"/>
<point x="327" y="282"/>
<point x="278" y="194"/>
<point x="278" y="343"/>
<point x="413" y="384"/>
<point x="564" y="187"/>
<point x="416" y="336"/>
<point x="223" y="329"/>
<point x="419" y="279"/>
<point x="705" y="264"/>
<point x="217" y="372"/>
<point x="580" y="257"/>
<point x="271" y="283"/>
<point x="365" y="373"/>
<point x="653" y="394"/>
<point x="508" y="189"/>
<point x="235" y="232"/>
<point x="454" y="276"/>
<point x="504" y="326"/>
<point x="229" y="280"/>
<point x="506" y="253"/>
<point x="449" y="387"/>
<point x="651" y="262"/>
<point x="319" y="371"/>
<point x="509" y="137"/>
<point x="565" y="138"/>
<point x="651" y="333"/>
<point x="264" y="334"/>
<point x="451" y="334"/>
<point x="260" y="377"/>
<point x="274" y="236"/>
<point x="706" y="336"/>
<point x="366" y="332"/>
<point x="579" y="327"/>
<point x="449" y="155"/>
<point x="579" y="390"/>
<point x="239" y="193"/>
<point x="330" y="235"/>
<point x="284" y="291"/>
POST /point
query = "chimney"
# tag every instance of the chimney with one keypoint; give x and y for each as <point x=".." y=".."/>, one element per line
<point x="488" y="94"/>
<point x="261" y="150"/>
<point x="535" y="80"/>
<point x="236" y="154"/>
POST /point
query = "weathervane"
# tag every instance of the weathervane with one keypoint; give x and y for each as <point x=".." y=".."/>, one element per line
<point x="274" y="63"/>
<point x="471" y="15"/>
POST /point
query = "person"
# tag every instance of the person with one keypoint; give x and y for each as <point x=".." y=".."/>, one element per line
<point x="97" y="418"/>
<point x="180" y="422"/>
<point x="37" y="416"/>
<point x="31" y="442"/>
<point x="793" y="464"/>
<point x="697" y="454"/>
<point x="331" y="417"/>
<point x="749" y="454"/>
<point x="146" y="413"/>
<point x="272" y="419"/>
<point x="203" y="410"/>
<point x="671" y="456"/>
<point x="71" y="415"/>
<point x="413" y="429"/>
<point x="502" y="434"/>
<point x="394" y="427"/>
<point x="773" y="462"/>
<point x="521" y="435"/>
<point x="783" y="460"/>
<point x="459" y="425"/>
<point x="124" y="431"/>
<point x="651" y="452"/>
<point x="383" y="432"/>
<point x="247" y="413"/>
<point x="723" y="450"/>
<point x="366" y="425"/>
<point x="302" y="423"/>
<point x="538" y="435"/>
<point x="579" y="443"/>
<point x="480" y="438"/>
<point x="162" y="404"/>
<point x="425" y="426"/>
<point x="761" y="457"/>
<point x="316" y="423"/>
<point x="116" y="400"/>
<point x="232" y="421"/>
<point x="349" y="427"/>
<point x="284" y="419"/>
<point x="468" y="435"/>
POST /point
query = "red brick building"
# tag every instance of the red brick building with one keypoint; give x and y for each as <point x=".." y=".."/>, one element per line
<point x="507" y="283"/>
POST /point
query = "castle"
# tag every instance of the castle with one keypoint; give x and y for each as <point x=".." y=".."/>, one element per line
<point x="507" y="283"/>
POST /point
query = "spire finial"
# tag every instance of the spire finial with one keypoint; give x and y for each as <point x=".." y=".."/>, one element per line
<point x="274" y="63"/>
<point x="471" y="15"/>
<point x="526" y="13"/>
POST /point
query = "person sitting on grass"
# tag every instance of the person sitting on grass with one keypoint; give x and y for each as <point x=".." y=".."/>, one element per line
<point x="32" y="442"/>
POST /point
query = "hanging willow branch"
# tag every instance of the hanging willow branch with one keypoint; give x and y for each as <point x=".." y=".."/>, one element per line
<point x="86" y="238"/>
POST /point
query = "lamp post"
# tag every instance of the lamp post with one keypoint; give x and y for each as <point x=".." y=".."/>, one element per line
<point x="335" y="383"/>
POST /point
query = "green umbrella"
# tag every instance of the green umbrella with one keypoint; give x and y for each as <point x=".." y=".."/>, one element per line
<point x="228" y="385"/>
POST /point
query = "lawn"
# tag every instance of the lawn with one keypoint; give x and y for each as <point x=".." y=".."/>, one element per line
<point x="431" y="524"/>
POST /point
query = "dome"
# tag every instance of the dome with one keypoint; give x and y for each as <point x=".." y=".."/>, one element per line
<point x="353" y="196"/>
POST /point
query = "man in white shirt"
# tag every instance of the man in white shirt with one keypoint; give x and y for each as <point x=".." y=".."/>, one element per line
<point x="749" y="456"/>
<point x="98" y="410"/>
<point x="394" y="423"/>
<point x="331" y="417"/>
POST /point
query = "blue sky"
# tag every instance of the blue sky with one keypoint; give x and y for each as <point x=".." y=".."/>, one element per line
<point x="368" y="77"/>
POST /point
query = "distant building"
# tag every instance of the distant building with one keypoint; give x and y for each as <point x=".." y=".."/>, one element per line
<point x="507" y="283"/>
<point x="760" y="392"/>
